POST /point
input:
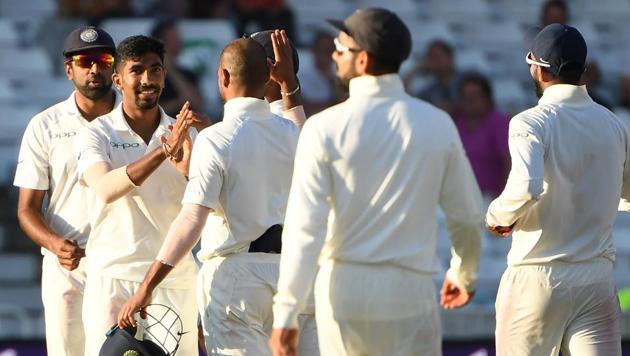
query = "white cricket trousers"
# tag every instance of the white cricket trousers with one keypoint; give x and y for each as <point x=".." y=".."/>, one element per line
<point x="379" y="309"/>
<point x="569" y="307"/>
<point x="235" y="299"/>
<point x="62" y="296"/>
<point x="105" y="296"/>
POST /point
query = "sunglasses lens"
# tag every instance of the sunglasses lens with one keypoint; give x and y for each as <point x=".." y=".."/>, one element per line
<point x="86" y="60"/>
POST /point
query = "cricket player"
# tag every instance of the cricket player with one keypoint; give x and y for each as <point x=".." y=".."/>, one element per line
<point x="369" y="175"/>
<point x="122" y="161"/>
<point x="47" y="167"/>
<point x="570" y="167"/>
<point x="240" y="175"/>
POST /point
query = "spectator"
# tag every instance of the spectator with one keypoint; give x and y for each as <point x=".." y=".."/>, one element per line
<point x="484" y="133"/>
<point x="554" y="11"/>
<point x="181" y="84"/>
<point x="95" y="11"/>
<point x="439" y="66"/>
<point x="262" y="15"/>
<point x="318" y="81"/>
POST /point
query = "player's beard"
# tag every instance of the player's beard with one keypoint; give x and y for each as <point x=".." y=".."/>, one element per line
<point x="94" y="93"/>
<point x="147" y="104"/>
<point x="343" y="80"/>
<point x="538" y="88"/>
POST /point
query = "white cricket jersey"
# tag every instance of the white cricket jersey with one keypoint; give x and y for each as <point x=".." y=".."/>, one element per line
<point x="369" y="175"/>
<point x="127" y="234"/>
<point x="47" y="161"/>
<point x="241" y="168"/>
<point x="570" y="167"/>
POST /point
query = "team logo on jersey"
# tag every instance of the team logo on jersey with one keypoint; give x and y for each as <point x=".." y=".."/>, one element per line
<point x="125" y="145"/>
<point x="59" y="135"/>
<point x="89" y="35"/>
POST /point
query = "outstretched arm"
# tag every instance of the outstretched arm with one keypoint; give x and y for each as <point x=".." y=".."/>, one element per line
<point x="182" y="236"/>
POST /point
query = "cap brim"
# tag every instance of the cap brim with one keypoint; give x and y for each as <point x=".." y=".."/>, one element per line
<point x="339" y="25"/>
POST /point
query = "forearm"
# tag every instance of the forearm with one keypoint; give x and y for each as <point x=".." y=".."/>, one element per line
<point x="141" y="169"/>
<point x="108" y="185"/>
<point x="298" y="267"/>
<point x="296" y="115"/>
<point x="513" y="202"/>
<point x="156" y="274"/>
<point x="35" y="227"/>
<point x="183" y="233"/>
<point x="465" y="254"/>
<point x="293" y="100"/>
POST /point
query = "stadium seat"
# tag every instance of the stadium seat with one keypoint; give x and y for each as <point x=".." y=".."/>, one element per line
<point x="425" y="32"/>
<point x="27" y="62"/>
<point x="15" y="322"/>
<point x="21" y="9"/>
<point x="24" y="268"/>
<point x="121" y="28"/>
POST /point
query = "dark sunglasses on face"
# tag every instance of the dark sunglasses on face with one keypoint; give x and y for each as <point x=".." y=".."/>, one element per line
<point x="104" y="60"/>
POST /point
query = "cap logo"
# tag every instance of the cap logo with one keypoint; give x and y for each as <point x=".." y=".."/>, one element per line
<point x="131" y="353"/>
<point x="89" y="35"/>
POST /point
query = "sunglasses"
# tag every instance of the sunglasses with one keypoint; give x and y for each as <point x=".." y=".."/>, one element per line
<point x="530" y="61"/>
<point x="104" y="60"/>
<point x="341" y="48"/>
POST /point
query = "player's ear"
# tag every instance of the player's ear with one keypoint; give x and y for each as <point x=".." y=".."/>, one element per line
<point x="224" y="77"/>
<point x="117" y="81"/>
<point x="363" y="62"/>
<point x="68" y="69"/>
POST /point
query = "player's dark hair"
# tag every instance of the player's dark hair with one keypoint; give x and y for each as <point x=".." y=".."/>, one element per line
<point x="135" y="47"/>
<point x="571" y="74"/>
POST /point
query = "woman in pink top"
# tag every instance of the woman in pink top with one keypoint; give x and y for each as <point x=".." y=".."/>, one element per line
<point x="484" y="133"/>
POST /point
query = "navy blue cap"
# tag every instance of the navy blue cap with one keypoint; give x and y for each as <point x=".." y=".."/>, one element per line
<point x="557" y="46"/>
<point x="121" y="342"/>
<point x="264" y="39"/>
<point x="85" y="38"/>
<point x="378" y="31"/>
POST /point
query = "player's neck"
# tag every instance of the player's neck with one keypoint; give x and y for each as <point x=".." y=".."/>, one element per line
<point x="144" y="122"/>
<point x="91" y="109"/>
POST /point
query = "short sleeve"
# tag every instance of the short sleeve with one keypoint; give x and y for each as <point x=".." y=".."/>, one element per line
<point x="33" y="161"/>
<point x="205" y="175"/>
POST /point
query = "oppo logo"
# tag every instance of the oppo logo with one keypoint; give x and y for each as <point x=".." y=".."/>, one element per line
<point x="124" y="145"/>
<point x="57" y="135"/>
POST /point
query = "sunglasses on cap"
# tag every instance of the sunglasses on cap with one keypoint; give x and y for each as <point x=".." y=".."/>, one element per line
<point x="104" y="60"/>
<point x="341" y="48"/>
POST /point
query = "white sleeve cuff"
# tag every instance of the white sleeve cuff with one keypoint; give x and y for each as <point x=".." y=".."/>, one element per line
<point x="285" y="317"/>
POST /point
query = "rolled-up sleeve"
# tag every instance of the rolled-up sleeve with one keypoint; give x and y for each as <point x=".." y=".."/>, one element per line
<point x="304" y="229"/>
<point x="460" y="199"/>
<point x="526" y="180"/>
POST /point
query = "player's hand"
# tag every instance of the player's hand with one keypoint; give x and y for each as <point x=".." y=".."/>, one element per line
<point x="452" y="297"/>
<point x="283" y="342"/>
<point x="137" y="303"/>
<point x="179" y="131"/>
<point x="500" y="231"/>
<point x="200" y="121"/>
<point x="181" y="161"/>
<point x="68" y="253"/>
<point x="281" y="71"/>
